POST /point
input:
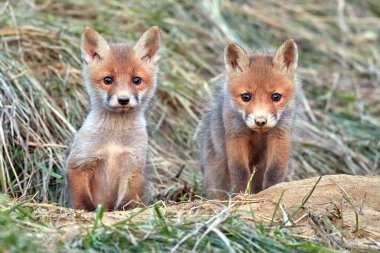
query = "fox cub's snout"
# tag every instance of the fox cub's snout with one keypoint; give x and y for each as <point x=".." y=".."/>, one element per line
<point x="260" y="88"/>
<point x="120" y="76"/>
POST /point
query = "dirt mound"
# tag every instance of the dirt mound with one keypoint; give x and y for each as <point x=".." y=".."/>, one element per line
<point x="340" y="210"/>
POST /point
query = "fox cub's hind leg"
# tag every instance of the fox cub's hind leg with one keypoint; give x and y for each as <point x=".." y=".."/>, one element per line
<point x="215" y="178"/>
<point x="216" y="183"/>
<point x="278" y="156"/>
<point x="79" y="184"/>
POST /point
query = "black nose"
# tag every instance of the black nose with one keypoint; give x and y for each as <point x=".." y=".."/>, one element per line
<point x="123" y="100"/>
<point x="260" y="122"/>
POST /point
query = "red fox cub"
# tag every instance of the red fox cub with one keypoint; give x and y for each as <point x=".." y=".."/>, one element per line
<point x="248" y="128"/>
<point x="106" y="161"/>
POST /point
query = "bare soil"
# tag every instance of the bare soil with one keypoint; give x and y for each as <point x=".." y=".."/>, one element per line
<point x="343" y="209"/>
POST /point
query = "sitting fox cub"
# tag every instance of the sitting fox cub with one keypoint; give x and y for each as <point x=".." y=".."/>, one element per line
<point x="248" y="128"/>
<point x="107" y="159"/>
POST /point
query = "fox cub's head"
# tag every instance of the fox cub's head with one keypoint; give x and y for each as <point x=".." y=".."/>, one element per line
<point x="120" y="77"/>
<point x="261" y="86"/>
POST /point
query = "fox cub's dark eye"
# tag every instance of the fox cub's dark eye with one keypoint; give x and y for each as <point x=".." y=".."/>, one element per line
<point x="136" y="80"/>
<point x="245" y="97"/>
<point x="276" y="97"/>
<point x="107" y="80"/>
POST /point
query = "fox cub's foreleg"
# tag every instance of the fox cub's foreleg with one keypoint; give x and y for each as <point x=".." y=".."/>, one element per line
<point x="269" y="171"/>
<point x="130" y="192"/>
<point x="238" y="162"/>
<point x="277" y="159"/>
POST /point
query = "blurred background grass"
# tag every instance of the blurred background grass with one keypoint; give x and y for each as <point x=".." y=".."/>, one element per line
<point x="42" y="100"/>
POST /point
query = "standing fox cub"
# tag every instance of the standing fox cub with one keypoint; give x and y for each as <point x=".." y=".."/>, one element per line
<point x="248" y="128"/>
<point x="107" y="158"/>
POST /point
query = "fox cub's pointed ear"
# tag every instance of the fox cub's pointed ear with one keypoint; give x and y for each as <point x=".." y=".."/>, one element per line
<point x="93" y="46"/>
<point x="148" y="46"/>
<point x="286" y="57"/>
<point x="235" y="59"/>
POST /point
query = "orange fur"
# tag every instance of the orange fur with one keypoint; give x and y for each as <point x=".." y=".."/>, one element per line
<point x="239" y="137"/>
<point x="106" y="163"/>
<point x="80" y="189"/>
<point x="122" y="65"/>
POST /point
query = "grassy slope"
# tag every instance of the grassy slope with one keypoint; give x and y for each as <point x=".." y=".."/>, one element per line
<point x="43" y="102"/>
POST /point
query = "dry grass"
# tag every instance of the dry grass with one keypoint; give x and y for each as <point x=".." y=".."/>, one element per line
<point x="42" y="100"/>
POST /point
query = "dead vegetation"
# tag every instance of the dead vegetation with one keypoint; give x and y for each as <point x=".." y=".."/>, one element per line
<point x="42" y="100"/>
